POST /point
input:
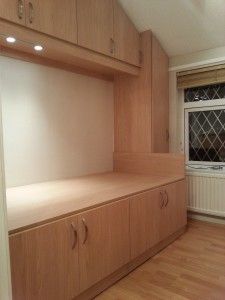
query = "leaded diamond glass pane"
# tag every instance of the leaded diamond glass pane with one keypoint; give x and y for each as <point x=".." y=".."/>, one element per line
<point x="205" y="93"/>
<point x="207" y="135"/>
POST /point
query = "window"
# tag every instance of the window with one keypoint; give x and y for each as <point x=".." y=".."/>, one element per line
<point x="205" y="124"/>
<point x="205" y="93"/>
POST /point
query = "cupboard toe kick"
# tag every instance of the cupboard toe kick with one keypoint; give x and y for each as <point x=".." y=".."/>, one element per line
<point x="67" y="258"/>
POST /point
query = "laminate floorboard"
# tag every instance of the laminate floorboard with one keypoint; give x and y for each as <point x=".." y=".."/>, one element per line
<point x="193" y="267"/>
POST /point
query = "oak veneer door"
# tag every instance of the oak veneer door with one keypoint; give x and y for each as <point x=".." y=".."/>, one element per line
<point x="160" y="98"/>
<point x="44" y="262"/>
<point x="53" y="17"/>
<point x="95" y="25"/>
<point x="126" y="36"/>
<point x="13" y="10"/>
<point x="104" y="242"/>
<point x="175" y="208"/>
<point x="145" y="221"/>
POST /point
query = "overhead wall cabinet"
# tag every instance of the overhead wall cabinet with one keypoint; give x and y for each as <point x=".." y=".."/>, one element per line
<point x="98" y="25"/>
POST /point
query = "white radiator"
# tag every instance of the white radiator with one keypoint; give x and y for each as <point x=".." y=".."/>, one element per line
<point x="206" y="193"/>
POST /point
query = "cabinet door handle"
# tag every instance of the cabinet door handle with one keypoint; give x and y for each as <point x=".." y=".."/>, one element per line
<point x="112" y="46"/>
<point x="167" y="199"/>
<point x="31" y="12"/>
<point x="85" y="230"/>
<point x="20" y="9"/>
<point x="73" y="227"/>
<point x="161" y="199"/>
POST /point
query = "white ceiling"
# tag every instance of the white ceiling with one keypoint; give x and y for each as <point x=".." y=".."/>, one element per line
<point x="182" y="26"/>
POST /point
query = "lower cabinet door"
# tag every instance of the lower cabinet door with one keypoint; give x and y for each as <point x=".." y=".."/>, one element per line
<point x="146" y="212"/>
<point x="175" y="208"/>
<point x="44" y="262"/>
<point x="104" y="242"/>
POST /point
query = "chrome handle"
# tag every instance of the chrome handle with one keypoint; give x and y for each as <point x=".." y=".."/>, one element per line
<point x="73" y="227"/>
<point x="20" y="9"/>
<point x="112" y="46"/>
<point x="86" y="230"/>
<point x="31" y="13"/>
<point x="167" y="199"/>
<point x="161" y="199"/>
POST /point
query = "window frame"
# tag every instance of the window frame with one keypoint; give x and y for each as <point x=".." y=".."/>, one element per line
<point x="199" y="106"/>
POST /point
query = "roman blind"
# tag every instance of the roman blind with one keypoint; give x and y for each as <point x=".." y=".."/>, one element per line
<point x="201" y="77"/>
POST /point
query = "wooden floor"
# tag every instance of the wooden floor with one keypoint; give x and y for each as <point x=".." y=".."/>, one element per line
<point x="193" y="267"/>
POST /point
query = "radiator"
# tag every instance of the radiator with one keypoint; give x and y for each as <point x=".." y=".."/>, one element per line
<point x="206" y="193"/>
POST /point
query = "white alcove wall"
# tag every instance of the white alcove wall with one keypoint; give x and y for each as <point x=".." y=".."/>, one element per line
<point x="56" y="124"/>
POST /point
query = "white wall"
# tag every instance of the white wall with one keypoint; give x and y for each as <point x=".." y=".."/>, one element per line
<point x="56" y="124"/>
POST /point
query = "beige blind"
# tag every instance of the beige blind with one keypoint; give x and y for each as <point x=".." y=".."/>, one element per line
<point x="200" y="77"/>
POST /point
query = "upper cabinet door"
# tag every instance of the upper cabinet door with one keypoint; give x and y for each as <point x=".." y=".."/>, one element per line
<point x="13" y="10"/>
<point x="127" y="38"/>
<point x="95" y="25"/>
<point x="54" y="17"/>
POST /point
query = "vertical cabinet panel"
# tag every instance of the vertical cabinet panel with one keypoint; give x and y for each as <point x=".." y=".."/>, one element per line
<point x="145" y="220"/>
<point x="13" y="10"/>
<point x="160" y="98"/>
<point x="95" y="25"/>
<point x="126" y="36"/>
<point x="104" y="242"/>
<point x="54" y="17"/>
<point x="44" y="262"/>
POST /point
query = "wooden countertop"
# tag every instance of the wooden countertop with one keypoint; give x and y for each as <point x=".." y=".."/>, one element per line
<point x="36" y="204"/>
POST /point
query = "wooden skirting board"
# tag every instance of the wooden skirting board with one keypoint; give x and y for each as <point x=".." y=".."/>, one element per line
<point x="125" y="270"/>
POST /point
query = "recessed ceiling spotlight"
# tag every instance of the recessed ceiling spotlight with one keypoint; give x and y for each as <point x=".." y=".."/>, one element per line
<point x="38" y="48"/>
<point x="10" y="39"/>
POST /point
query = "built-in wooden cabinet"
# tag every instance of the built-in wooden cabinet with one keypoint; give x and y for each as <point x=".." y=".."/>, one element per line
<point x="44" y="262"/>
<point x="54" y="17"/>
<point x="98" y="25"/>
<point x="126" y="37"/>
<point x="13" y="10"/>
<point x="62" y="259"/>
<point x="155" y="215"/>
<point x="104" y="242"/>
<point x="95" y="25"/>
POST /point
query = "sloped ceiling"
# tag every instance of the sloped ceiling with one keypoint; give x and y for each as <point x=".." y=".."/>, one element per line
<point x="182" y="26"/>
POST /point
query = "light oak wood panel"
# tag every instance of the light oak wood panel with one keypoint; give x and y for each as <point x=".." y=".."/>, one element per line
<point x="104" y="246"/>
<point x="193" y="267"/>
<point x="13" y="10"/>
<point x="28" y="206"/>
<point x="161" y="164"/>
<point x="160" y="98"/>
<point x="126" y="36"/>
<point x="145" y="221"/>
<point x="95" y="25"/>
<point x="133" y="105"/>
<point x="63" y="52"/>
<point x="54" y="17"/>
<point x="43" y="263"/>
